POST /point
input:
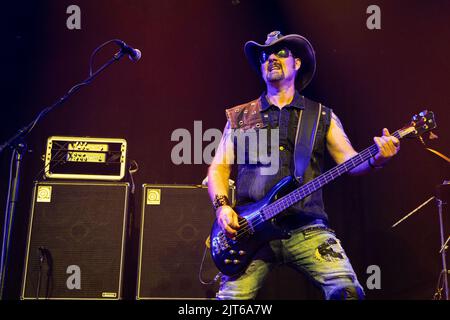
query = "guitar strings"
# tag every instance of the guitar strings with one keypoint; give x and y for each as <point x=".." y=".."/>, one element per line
<point x="360" y="157"/>
<point x="258" y="220"/>
<point x="246" y="229"/>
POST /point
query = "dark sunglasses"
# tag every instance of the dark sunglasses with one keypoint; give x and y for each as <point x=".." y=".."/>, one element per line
<point x="280" y="53"/>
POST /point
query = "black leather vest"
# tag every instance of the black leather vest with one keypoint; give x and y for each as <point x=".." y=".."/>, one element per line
<point x="251" y="185"/>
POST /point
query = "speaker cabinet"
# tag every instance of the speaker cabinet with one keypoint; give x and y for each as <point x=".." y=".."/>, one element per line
<point x="76" y="238"/>
<point x="175" y="223"/>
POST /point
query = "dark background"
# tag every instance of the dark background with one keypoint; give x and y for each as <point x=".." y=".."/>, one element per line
<point x="193" y="67"/>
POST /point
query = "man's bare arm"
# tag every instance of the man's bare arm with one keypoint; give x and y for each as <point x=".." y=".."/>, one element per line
<point x="220" y="168"/>
<point x="218" y="176"/>
<point x="341" y="149"/>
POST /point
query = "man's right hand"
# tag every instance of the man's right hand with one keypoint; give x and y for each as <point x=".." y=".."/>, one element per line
<point x="228" y="220"/>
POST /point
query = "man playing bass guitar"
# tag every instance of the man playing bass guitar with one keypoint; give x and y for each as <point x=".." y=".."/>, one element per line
<point x="302" y="129"/>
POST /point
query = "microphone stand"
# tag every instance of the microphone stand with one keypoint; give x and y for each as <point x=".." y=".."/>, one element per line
<point x="439" y="201"/>
<point x="443" y="250"/>
<point x="19" y="146"/>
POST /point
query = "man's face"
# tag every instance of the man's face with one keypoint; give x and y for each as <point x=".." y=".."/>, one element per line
<point x="279" y="65"/>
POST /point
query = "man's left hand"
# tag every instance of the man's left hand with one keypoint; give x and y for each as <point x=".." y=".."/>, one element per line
<point x="388" y="146"/>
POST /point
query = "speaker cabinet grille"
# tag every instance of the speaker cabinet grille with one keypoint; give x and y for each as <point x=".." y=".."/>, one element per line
<point x="175" y="222"/>
<point x="76" y="236"/>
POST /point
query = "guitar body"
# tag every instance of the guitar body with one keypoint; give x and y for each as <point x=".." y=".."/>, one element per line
<point x="233" y="256"/>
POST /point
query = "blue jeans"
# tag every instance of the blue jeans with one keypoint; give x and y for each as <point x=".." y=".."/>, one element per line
<point x="311" y="250"/>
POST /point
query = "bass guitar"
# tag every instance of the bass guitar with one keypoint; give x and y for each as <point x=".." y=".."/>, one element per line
<point x="257" y="220"/>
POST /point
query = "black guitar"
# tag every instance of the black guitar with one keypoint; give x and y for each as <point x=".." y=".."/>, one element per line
<point x="256" y="220"/>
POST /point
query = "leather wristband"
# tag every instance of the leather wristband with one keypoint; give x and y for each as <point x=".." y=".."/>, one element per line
<point x="220" y="200"/>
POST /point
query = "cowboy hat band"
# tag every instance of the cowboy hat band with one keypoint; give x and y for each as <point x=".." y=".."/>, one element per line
<point x="297" y="44"/>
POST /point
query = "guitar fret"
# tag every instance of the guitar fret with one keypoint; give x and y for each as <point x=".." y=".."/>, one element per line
<point x="295" y="196"/>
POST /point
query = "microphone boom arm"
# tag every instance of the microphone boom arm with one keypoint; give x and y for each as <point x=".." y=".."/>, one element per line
<point x="16" y="142"/>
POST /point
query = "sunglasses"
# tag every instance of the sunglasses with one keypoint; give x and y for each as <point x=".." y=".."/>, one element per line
<point x="280" y="53"/>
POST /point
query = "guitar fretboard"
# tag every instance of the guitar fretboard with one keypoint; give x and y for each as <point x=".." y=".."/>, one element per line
<point x="295" y="196"/>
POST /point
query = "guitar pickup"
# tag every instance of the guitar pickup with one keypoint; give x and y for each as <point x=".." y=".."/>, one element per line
<point x="250" y="229"/>
<point x="221" y="241"/>
<point x="215" y="246"/>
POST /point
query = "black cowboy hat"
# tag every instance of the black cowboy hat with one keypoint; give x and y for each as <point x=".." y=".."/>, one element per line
<point x="299" y="46"/>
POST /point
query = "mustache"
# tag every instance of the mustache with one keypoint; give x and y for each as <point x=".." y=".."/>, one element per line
<point x="274" y="65"/>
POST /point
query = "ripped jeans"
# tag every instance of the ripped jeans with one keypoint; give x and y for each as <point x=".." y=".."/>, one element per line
<point x="313" y="250"/>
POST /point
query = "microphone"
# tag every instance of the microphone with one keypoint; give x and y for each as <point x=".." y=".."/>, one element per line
<point x="133" y="54"/>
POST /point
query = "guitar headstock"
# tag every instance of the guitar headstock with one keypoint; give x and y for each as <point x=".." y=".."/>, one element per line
<point x="420" y="123"/>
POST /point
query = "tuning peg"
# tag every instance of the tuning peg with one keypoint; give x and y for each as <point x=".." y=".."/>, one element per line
<point x="423" y="113"/>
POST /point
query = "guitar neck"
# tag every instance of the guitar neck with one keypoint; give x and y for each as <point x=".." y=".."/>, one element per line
<point x="295" y="196"/>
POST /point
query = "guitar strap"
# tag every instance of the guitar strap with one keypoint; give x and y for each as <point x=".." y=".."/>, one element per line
<point x="308" y="122"/>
